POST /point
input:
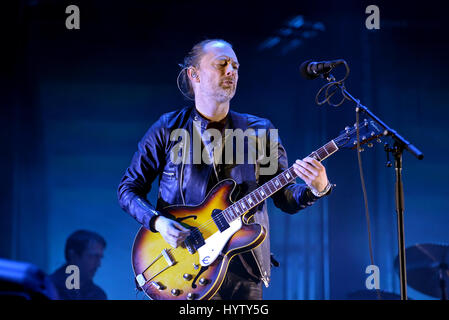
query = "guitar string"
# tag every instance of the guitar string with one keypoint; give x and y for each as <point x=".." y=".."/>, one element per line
<point x="221" y="214"/>
<point x="211" y="221"/>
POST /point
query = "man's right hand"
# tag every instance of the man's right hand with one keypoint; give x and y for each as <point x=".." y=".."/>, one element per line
<point x="172" y="231"/>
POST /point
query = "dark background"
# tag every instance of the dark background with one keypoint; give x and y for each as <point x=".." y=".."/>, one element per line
<point x="76" y="102"/>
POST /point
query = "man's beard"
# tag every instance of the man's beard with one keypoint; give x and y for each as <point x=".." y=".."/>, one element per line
<point x="223" y="94"/>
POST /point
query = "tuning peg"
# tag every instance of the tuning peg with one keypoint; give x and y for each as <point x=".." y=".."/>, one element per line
<point x="361" y="150"/>
<point x="347" y="129"/>
<point x="378" y="140"/>
<point x="369" y="145"/>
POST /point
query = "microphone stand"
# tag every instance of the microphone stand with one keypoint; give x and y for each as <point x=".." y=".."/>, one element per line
<point x="399" y="146"/>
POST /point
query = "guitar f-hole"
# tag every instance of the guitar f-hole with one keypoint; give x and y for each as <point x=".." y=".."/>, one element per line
<point x="198" y="275"/>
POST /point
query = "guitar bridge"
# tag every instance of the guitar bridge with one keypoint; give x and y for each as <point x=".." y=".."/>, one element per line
<point x="165" y="253"/>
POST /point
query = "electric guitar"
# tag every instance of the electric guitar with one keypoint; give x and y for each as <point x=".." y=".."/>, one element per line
<point x="218" y="232"/>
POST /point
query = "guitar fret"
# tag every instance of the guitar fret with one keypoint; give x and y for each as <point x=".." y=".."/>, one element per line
<point x="256" y="195"/>
<point x="234" y="216"/>
<point x="293" y="173"/>
<point x="332" y="146"/>
<point x="315" y="156"/>
<point x="271" y="186"/>
<point x="236" y="211"/>
<point x="282" y="179"/>
<point x="322" y="152"/>
<point x="231" y="215"/>
<point x="266" y="190"/>
<point x="242" y="204"/>
<point x="275" y="184"/>
<point x="227" y="215"/>
<point x="245" y="200"/>
<point x="325" y="151"/>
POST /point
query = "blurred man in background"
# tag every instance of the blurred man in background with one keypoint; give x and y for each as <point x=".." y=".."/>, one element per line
<point x="83" y="254"/>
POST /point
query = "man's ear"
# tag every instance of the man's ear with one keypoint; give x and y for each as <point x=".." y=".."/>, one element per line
<point x="193" y="74"/>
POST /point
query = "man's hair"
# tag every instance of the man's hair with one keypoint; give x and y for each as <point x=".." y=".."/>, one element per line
<point x="192" y="59"/>
<point x="79" y="240"/>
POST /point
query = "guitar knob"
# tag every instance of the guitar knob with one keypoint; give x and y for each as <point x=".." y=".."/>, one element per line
<point x="191" y="296"/>
<point x="187" y="277"/>
<point x="203" y="282"/>
<point x="175" y="292"/>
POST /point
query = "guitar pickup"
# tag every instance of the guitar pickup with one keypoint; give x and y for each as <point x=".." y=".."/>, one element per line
<point x="194" y="241"/>
<point x="188" y="244"/>
<point x="220" y="220"/>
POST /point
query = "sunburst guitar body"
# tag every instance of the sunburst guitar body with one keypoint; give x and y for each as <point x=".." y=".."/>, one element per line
<point x="195" y="270"/>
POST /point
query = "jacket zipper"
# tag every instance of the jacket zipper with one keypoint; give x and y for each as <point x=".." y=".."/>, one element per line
<point x="262" y="276"/>
<point x="181" y="178"/>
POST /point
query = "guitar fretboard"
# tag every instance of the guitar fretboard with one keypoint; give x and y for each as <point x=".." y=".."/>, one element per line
<point x="266" y="190"/>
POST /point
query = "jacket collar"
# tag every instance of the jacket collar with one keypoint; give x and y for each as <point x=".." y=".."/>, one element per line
<point x="196" y="116"/>
<point x="237" y="120"/>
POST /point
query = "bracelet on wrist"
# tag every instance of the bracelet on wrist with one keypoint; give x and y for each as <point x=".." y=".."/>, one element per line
<point x="322" y="193"/>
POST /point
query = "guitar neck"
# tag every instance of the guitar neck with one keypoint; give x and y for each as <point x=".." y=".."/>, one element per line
<point x="266" y="190"/>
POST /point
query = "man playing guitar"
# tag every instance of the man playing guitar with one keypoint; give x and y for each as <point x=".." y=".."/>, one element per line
<point x="210" y="75"/>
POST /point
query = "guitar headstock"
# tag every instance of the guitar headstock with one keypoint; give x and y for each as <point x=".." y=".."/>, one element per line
<point x="368" y="131"/>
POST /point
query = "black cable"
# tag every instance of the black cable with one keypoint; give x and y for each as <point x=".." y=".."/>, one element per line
<point x="332" y="84"/>
<point x="365" y="194"/>
<point x="336" y="85"/>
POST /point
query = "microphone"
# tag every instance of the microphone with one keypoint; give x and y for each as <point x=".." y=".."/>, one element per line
<point x="311" y="69"/>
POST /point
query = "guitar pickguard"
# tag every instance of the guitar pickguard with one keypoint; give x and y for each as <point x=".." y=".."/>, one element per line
<point x="215" y="243"/>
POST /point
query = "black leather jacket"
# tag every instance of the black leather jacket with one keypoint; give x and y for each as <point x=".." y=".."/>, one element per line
<point x="187" y="183"/>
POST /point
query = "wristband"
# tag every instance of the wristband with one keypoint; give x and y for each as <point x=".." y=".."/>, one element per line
<point x="322" y="193"/>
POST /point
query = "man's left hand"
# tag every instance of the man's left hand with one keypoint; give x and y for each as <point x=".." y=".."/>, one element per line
<point x="312" y="172"/>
